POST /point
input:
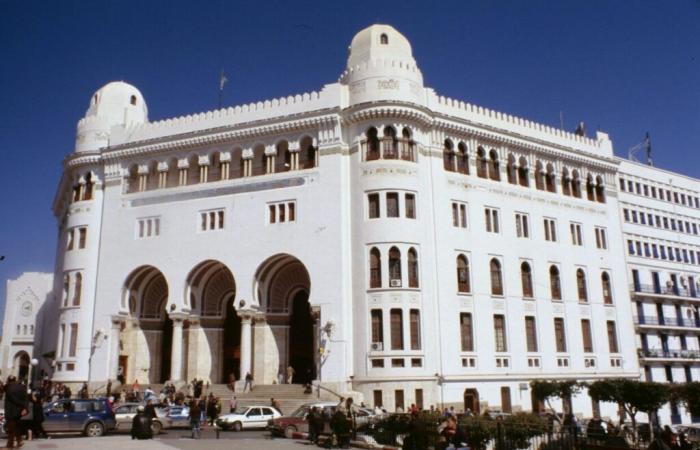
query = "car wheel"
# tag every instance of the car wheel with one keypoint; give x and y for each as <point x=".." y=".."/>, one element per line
<point x="237" y="426"/>
<point x="94" y="429"/>
<point x="289" y="431"/>
<point x="156" y="427"/>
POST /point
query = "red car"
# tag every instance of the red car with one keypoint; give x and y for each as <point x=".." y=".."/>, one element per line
<point x="296" y="422"/>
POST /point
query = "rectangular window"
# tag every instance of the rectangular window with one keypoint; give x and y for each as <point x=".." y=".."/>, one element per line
<point x="612" y="337"/>
<point x="521" y="225"/>
<point x="601" y="238"/>
<point x="72" y="348"/>
<point x="530" y="334"/>
<point x="459" y="214"/>
<point x="622" y="184"/>
<point x="576" y="237"/>
<point x="392" y="204"/>
<point x="499" y="328"/>
<point x="398" y="399"/>
<point x="148" y="227"/>
<point x="587" y="336"/>
<point x="506" y="406"/>
<point x="491" y="216"/>
<point x="61" y="340"/>
<point x="410" y="206"/>
<point x="419" y="399"/>
<point x="82" y="237"/>
<point x="550" y="230"/>
<point x="465" y="324"/>
<point x="377" y="396"/>
<point x="373" y="202"/>
<point x="415" y="329"/>
<point x="559" y="334"/>
<point x="213" y="220"/>
<point x="279" y="212"/>
<point x="69" y="238"/>
<point x="377" y="326"/>
<point x="396" y="316"/>
<point x="626" y="214"/>
<point x="272" y="212"/>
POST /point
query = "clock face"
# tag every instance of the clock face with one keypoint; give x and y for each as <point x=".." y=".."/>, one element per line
<point x="26" y="308"/>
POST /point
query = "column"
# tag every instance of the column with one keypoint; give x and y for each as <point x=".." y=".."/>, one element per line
<point x="114" y="349"/>
<point x="176" y="357"/>
<point x="246" y="343"/>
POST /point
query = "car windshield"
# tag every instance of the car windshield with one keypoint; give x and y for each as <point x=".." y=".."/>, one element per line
<point x="240" y="410"/>
<point x="300" y="412"/>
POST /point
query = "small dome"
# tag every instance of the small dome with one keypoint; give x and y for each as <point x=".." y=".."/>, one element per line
<point x="379" y="42"/>
<point x="119" y="103"/>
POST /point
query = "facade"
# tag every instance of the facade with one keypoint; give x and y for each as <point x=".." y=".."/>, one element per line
<point x="375" y="236"/>
<point x="28" y="298"/>
<point x="660" y="214"/>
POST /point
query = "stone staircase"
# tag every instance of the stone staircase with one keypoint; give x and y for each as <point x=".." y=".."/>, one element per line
<point x="289" y="396"/>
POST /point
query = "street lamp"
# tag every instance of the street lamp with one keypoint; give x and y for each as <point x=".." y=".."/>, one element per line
<point x="34" y="362"/>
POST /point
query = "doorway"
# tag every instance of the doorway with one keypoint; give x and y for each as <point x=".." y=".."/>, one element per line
<point x="232" y="344"/>
<point x="166" y="349"/>
<point x="471" y="401"/>
<point x="301" y="339"/>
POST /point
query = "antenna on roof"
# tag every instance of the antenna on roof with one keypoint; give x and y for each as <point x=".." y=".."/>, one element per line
<point x="647" y="146"/>
<point x="222" y="82"/>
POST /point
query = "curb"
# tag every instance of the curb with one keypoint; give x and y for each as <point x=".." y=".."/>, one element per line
<point x="358" y="444"/>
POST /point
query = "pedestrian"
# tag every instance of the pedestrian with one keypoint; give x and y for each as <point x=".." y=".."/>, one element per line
<point x="232" y="404"/>
<point x="290" y="374"/>
<point x="248" y="382"/>
<point x="120" y="375"/>
<point x="15" y="408"/>
<point x="311" y="418"/>
<point x="212" y="409"/>
<point x="232" y="381"/>
<point x="276" y="404"/>
<point x="280" y="376"/>
<point x="195" y="418"/>
<point x="150" y="410"/>
<point x="38" y="417"/>
<point x="109" y="388"/>
<point x="141" y="425"/>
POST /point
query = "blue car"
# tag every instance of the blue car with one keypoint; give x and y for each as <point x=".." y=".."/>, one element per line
<point x="92" y="417"/>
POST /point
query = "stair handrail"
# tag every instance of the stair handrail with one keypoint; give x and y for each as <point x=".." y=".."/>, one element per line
<point x="319" y="387"/>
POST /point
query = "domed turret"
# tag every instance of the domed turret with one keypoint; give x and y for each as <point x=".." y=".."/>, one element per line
<point x="115" y="104"/>
<point x="381" y="67"/>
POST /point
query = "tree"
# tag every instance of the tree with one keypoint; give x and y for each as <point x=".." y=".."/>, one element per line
<point x="519" y="428"/>
<point x="546" y="390"/>
<point x="479" y="431"/>
<point x="632" y="395"/>
<point x="689" y="395"/>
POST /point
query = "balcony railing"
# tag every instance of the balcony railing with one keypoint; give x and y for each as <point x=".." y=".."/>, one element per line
<point x="664" y="290"/>
<point x="666" y="321"/>
<point x="668" y="354"/>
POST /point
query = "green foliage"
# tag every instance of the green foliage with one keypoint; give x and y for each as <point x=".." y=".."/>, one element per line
<point x="689" y="395"/>
<point x="479" y="430"/>
<point x="519" y="428"/>
<point x="634" y="395"/>
<point x="419" y="432"/>
<point x="544" y="390"/>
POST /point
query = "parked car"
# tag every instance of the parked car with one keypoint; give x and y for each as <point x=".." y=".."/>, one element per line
<point x="178" y="415"/>
<point x="93" y="417"/>
<point x="125" y="412"/>
<point x="692" y="432"/>
<point x="296" y="421"/>
<point x="247" y="417"/>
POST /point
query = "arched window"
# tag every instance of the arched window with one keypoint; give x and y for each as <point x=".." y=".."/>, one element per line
<point x="133" y="100"/>
<point x="581" y="286"/>
<point x="526" y="279"/>
<point x="87" y="193"/>
<point x="412" y="268"/>
<point x="77" y="291"/>
<point x="565" y="182"/>
<point x="448" y="156"/>
<point x="153" y="176"/>
<point x="390" y="143"/>
<point x="600" y="189"/>
<point x="132" y="181"/>
<point x="66" y="289"/>
<point x="576" y="184"/>
<point x="283" y="161"/>
<point x="550" y="179"/>
<point x="384" y="39"/>
<point x="372" y="151"/>
<point x="463" y="284"/>
<point x="407" y="146"/>
<point x="554" y="283"/>
<point x="494" y="174"/>
<point x="607" y="290"/>
<point x="394" y="267"/>
<point x="523" y="176"/>
<point x="511" y="170"/>
<point x="375" y="268"/>
<point x="308" y="154"/>
<point x="481" y="163"/>
<point x="496" y="277"/>
<point x="462" y="158"/>
<point x="192" y="169"/>
<point x="539" y="176"/>
<point x="590" y="188"/>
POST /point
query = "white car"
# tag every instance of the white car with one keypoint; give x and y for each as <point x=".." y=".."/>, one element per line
<point x="247" y="417"/>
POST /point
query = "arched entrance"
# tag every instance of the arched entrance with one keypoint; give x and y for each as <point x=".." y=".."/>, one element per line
<point x="21" y="365"/>
<point x="146" y="350"/>
<point x="471" y="400"/>
<point x="215" y="331"/>
<point x="283" y="288"/>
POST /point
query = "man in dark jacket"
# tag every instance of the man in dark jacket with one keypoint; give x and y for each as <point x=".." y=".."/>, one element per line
<point x="15" y="407"/>
<point x="141" y="425"/>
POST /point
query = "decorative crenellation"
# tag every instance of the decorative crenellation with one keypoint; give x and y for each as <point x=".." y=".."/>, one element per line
<point x="381" y="64"/>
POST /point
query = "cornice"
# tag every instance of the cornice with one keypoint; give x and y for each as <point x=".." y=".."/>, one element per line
<point x="370" y="111"/>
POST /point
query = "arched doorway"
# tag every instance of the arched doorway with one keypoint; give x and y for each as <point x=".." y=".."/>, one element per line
<point x="147" y="339"/>
<point x="471" y="400"/>
<point x="21" y="364"/>
<point x="283" y="287"/>
<point x="216" y="333"/>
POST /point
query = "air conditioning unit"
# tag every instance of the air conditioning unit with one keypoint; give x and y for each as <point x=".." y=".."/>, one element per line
<point x="396" y="282"/>
<point x="377" y="346"/>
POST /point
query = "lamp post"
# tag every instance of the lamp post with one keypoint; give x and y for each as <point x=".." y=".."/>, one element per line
<point x="34" y="362"/>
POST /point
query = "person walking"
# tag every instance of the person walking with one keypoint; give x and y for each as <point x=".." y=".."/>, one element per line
<point x="290" y="374"/>
<point x="232" y="381"/>
<point x="141" y="425"/>
<point x="212" y="409"/>
<point x="232" y="404"/>
<point x="38" y="417"/>
<point x="195" y="418"/>
<point x="248" y="382"/>
<point x="15" y="408"/>
<point x="276" y="404"/>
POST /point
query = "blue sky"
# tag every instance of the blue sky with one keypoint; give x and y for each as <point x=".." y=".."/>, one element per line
<point x="625" y="67"/>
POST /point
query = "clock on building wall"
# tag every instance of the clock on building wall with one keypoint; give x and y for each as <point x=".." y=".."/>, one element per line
<point x="26" y="308"/>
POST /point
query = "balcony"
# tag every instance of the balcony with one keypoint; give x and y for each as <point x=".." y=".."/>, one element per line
<point x="672" y="291"/>
<point x="656" y="321"/>
<point x="671" y="354"/>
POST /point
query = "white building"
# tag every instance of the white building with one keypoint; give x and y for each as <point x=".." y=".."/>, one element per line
<point x="27" y="299"/>
<point x="453" y="252"/>
<point x="660" y="213"/>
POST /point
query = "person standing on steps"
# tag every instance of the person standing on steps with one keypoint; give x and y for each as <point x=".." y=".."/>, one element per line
<point x="232" y="404"/>
<point x="248" y="382"/>
<point x="232" y="381"/>
<point x="290" y="374"/>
